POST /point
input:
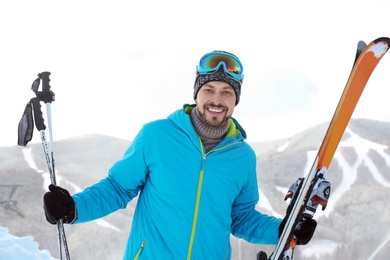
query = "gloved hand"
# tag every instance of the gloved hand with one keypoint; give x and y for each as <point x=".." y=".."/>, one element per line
<point x="304" y="230"/>
<point x="58" y="204"/>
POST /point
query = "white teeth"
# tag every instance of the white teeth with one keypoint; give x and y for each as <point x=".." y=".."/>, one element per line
<point x="215" y="110"/>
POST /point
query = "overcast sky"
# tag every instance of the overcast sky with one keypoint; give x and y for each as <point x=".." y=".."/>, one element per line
<point x="119" y="64"/>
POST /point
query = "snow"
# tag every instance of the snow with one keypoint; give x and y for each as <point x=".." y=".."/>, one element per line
<point x="379" y="248"/>
<point x="315" y="249"/>
<point x="282" y="148"/>
<point x="349" y="172"/>
<point x="12" y="247"/>
<point x="27" y="154"/>
<point x="264" y="203"/>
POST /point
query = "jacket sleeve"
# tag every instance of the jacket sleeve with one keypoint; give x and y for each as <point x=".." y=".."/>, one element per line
<point x="124" y="181"/>
<point x="248" y="223"/>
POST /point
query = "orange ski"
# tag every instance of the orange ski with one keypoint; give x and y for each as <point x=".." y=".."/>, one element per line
<point x="361" y="72"/>
<point x="313" y="190"/>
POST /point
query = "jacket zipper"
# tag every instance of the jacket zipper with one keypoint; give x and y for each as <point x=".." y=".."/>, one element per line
<point x="195" y="219"/>
<point x="199" y="192"/>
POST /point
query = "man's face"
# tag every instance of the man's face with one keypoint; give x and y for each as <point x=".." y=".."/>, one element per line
<point x="215" y="102"/>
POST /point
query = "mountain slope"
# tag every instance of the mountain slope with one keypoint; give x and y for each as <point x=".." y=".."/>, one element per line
<point x="357" y="218"/>
<point x="355" y="225"/>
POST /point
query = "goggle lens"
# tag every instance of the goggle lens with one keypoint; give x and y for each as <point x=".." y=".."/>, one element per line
<point x="211" y="62"/>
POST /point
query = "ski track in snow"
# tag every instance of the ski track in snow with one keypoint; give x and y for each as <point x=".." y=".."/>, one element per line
<point x="27" y="154"/>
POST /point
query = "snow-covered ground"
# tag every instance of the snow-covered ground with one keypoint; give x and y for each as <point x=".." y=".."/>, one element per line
<point x="315" y="249"/>
<point x="17" y="248"/>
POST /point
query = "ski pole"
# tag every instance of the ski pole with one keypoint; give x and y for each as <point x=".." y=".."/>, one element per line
<point x="47" y="96"/>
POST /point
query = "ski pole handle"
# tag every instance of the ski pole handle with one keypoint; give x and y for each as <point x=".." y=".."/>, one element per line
<point x="45" y="81"/>
<point x="46" y="95"/>
<point x="39" y="122"/>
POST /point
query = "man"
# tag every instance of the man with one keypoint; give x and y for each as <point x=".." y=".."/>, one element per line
<point x="194" y="174"/>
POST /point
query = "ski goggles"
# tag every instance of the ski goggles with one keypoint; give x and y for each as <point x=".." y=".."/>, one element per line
<point x="212" y="62"/>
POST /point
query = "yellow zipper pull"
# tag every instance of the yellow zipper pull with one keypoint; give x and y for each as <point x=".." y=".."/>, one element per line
<point x="140" y="250"/>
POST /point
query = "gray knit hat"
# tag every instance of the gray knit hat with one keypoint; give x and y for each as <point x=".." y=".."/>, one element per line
<point x="219" y="75"/>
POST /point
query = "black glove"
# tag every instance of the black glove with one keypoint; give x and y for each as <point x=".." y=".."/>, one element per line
<point x="58" y="204"/>
<point x="304" y="230"/>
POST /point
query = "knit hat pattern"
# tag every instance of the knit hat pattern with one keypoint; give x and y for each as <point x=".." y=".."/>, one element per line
<point x="219" y="75"/>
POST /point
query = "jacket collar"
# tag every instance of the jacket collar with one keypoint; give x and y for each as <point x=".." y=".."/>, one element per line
<point x="182" y="119"/>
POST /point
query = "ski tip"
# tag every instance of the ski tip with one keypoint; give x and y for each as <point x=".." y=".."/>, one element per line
<point x="383" y="39"/>
<point x="380" y="46"/>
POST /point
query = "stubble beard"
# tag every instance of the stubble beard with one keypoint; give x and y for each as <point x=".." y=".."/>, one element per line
<point x="213" y="122"/>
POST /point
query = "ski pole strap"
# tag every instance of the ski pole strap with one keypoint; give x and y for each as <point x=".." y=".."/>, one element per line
<point x="26" y="126"/>
<point x="26" y="123"/>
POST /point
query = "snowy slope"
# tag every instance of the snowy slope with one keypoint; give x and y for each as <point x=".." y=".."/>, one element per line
<point x="46" y="176"/>
<point x="347" y="177"/>
<point x="355" y="225"/>
<point x="349" y="172"/>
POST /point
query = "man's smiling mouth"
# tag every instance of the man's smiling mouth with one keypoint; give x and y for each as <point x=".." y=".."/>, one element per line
<point x="215" y="110"/>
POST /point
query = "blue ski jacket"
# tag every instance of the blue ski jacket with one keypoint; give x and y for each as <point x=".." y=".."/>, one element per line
<point x="189" y="201"/>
